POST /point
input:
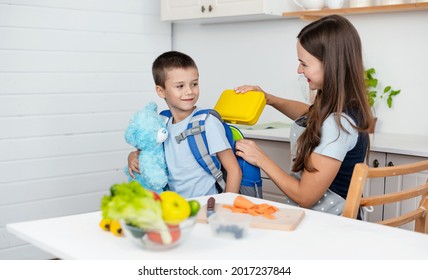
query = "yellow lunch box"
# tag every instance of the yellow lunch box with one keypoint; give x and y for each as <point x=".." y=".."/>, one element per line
<point x="241" y="108"/>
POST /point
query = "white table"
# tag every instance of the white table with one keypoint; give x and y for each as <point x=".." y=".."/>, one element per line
<point x="318" y="236"/>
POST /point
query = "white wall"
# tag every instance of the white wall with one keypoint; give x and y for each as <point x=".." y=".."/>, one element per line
<point x="264" y="53"/>
<point x="71" y="74"/>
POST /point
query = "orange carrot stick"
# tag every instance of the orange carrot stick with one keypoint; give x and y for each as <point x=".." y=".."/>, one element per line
<point x="238" y="210"/>
<point x="245" y="206"/>
<point x="270" y="210"/>
<point x="252" y="212"/>
<point x="242" y="202"/>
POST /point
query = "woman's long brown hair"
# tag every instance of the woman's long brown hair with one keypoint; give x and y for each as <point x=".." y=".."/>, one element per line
<point x="336" y="43"/>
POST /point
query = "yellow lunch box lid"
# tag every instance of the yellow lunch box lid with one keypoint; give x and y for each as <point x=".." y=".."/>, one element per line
<point x="243" y="108"/>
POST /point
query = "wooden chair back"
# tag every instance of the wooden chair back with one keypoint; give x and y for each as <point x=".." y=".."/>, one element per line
<point x="355" y="200"/>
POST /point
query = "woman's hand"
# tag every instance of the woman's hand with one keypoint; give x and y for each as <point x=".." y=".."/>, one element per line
<point x="245" y="88"/>
<point x="133" y="163"/>
<point x="250" y="152"/>
<point x="291" y="108"/>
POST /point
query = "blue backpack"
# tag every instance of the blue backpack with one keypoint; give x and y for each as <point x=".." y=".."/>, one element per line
<point x="251" y="183"/>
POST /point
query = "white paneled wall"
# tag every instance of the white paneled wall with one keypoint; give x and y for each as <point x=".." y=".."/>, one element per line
<point x="71" y="74"/>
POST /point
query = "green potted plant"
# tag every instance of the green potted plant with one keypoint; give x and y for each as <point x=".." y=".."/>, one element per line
<point x="375" y="95"/>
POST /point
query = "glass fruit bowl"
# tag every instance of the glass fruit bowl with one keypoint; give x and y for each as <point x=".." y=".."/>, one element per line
<point x="155" y="239"/>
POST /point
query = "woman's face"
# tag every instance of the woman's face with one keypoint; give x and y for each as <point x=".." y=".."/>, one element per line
<point x="310" y="67"/>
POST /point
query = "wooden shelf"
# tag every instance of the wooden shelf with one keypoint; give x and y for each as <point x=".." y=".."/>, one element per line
<point x="312" y="15"/>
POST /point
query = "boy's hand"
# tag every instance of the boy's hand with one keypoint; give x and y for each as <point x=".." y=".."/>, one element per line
<point x="133" y="163"/>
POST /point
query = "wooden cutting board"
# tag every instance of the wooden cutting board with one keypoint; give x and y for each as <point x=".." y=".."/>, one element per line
<point x="286" y="219"/>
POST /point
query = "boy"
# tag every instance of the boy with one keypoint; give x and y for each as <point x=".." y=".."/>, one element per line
<point x="177" y="82"/>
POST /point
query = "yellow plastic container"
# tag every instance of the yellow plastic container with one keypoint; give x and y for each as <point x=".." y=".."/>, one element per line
<point x="241" y="108"/>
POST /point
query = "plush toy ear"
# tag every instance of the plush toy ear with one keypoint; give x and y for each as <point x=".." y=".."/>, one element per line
<point x="144" y="117"/>
<point x="152" y="106"/>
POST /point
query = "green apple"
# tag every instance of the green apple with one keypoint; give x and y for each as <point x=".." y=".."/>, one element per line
<point x="194" y="207"/>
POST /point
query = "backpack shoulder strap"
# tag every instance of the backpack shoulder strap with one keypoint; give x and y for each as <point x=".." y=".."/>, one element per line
<point x="195" y="127"/>
<point x="197" y="140"/>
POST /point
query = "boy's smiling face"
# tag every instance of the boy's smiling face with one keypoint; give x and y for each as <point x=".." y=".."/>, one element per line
<point x="181" y="91"/>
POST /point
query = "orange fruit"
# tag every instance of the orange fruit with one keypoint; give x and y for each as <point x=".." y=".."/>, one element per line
<point x="174" y="230"/>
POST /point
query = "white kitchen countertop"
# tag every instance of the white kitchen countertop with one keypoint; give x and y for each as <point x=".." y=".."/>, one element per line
<point x="413" y="145"/>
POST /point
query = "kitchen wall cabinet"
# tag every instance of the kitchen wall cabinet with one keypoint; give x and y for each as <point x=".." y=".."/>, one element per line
<point x="222" y="10"/>
<point x="212" y="11"/>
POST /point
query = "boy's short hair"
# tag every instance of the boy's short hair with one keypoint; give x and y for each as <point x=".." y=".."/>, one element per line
<point x="167" y="61"/>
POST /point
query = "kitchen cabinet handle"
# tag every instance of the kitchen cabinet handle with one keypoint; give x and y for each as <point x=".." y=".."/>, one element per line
<point x="210" y="8"/>
<point x="202" y="8"/>
<point x="375" y="163"/>
<point x="390" y="163"/>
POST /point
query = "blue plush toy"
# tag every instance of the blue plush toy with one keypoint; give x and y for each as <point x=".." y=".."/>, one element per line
<point x="146" y="132"/>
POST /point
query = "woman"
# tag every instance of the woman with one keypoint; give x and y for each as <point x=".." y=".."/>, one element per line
<point x="330" y="136"/>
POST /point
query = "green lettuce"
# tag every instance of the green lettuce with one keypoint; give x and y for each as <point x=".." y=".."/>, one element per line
<point x="136" y="206"/>
<point x="132" y="203"/>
